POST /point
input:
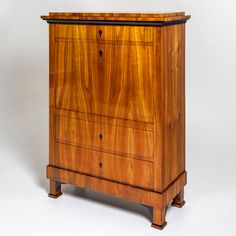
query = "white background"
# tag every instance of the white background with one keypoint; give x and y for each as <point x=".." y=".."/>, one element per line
<point x="25" y="208"/>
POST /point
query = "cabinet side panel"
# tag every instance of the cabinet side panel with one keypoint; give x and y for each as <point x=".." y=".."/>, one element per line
<point x="52" y="73"/>
<point x="158" y="100"/>
<point x="173" y="66"/>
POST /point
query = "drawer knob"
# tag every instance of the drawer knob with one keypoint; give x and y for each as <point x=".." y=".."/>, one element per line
<point x="100" y="53"/>
<point x="100" y="136"/>
<point x="100" y="164"/>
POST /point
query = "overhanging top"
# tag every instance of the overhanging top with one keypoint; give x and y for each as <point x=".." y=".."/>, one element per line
<point x="117" y="18"/>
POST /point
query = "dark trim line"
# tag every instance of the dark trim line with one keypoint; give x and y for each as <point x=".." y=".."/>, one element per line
<point x="106" y="22"/>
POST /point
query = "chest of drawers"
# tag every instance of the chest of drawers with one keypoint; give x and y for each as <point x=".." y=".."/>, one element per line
<point x="117" y="106"/>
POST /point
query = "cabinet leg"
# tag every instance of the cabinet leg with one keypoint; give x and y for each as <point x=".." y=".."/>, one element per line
<point x="159" y="218"/>
<point x="178" y="201"/>
<point x="55" y="189"/>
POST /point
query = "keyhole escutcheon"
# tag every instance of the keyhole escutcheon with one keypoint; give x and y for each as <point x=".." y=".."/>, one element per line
<point x="100" y="33"/>
<point x="100" y="136"/>
<point x="100" y="164"/>
<point x="100" y="53"/>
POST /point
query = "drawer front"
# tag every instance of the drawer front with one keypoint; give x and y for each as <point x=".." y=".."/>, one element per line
<point x="104" y="165"/>
<point x="133" y="142"/>
<point x="105" y="34"/>
<point x="103" y="79"/>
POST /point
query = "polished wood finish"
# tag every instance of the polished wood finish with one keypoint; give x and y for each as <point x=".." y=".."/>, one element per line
<point x="105" y="119"/>
<point x="104" y="165"/>
<point x="117" y="106"/>
<point x="55" y="189"/>
<point x="123" y="191"/>
<point x="178" y="201"/>
<point x="120" y="90"/>
<point x="159" y="216"/>
<point x="165" y="17"/>
<point x="108" y="138"/>
<point x="173" y="46"/>
<point x="159" y="201"/>
<point x="102" y="34"/>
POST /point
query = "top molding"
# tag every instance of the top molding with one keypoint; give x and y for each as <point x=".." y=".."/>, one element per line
<point x="159" y="19"/>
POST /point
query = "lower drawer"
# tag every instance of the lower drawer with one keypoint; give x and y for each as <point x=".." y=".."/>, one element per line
<point x="105" y="137"/>
<point x="104" y="165"/>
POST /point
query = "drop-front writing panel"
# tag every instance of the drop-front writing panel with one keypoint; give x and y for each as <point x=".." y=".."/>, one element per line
<point x="110" y="76"/>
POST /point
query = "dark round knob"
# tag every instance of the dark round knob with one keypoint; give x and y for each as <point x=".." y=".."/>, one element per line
<point x="100" y="53"/>
<point x="100" y="164"/>
<point x="100" y="33"/>
<point x="100" y="136"/>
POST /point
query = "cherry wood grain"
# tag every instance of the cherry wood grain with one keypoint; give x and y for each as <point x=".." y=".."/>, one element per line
<point x="165" y="17"/>
<point x="148" y="126"/>
<point x="52" y="80"/>
<point x="55" y="189"/>
<point x="173" y="76"/>
<point x="159" y="201"/>
<point x="142" y="196"/>
<point x="103" y="79"/>
<point x="159" y="218"/>
<point x="117" y="107"/>
<point x="104" y="165"/>
<point x="103" y="34"/>
<point x="178" y="201"/>
<point x="169" y="106"/>
<point x="108" y="138"/>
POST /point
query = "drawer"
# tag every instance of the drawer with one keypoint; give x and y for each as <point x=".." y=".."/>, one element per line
<point x="137" y="143"/>
<point x="104" y="165"/>
<point x="105" y="34"/>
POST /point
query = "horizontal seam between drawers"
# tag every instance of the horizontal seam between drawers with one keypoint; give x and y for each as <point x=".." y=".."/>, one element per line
<point x="105" y="41"/>
<point x="69" y="143"/>
<point x="109" y="117"/>
<point x="100" y="122"/>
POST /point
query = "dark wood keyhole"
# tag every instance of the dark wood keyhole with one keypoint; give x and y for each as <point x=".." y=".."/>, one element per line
<point x="100" y="164"/>
<point x="100" y="53"/>
<point x="100" y="33"/>
<point x="100" y="136"/>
